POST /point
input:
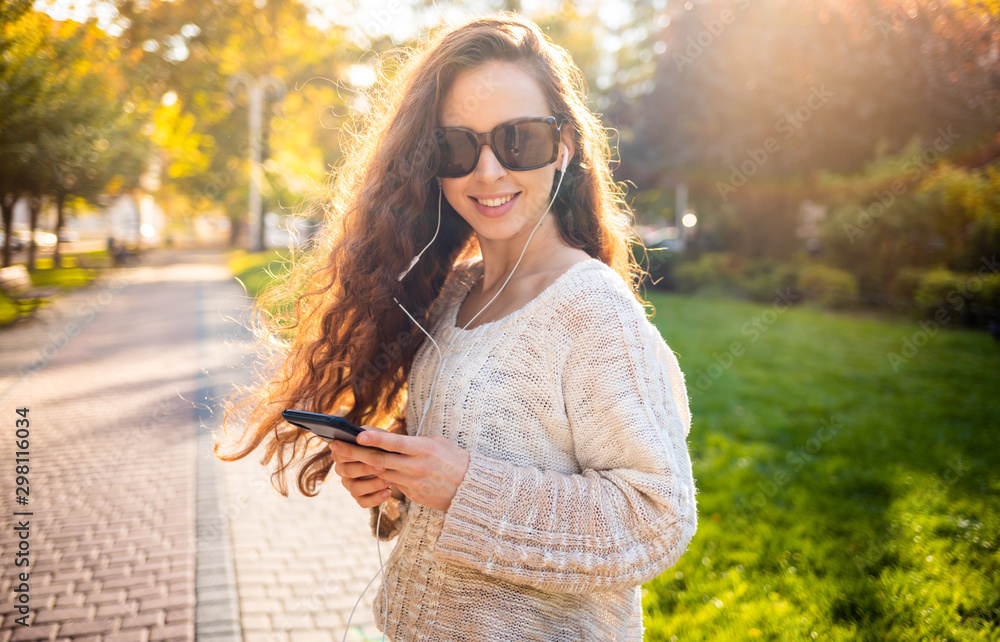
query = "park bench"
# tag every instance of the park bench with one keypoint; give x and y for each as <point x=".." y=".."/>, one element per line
<point x="16" y="284"/>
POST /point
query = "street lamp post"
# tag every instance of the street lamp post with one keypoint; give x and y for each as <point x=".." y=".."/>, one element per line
<point x="681" y="207"/>
<point x="255" y="90"/>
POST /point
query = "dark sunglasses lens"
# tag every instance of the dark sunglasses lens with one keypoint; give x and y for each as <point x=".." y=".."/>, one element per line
<point x="525" y="145"/>
<point x="457" y="153"/>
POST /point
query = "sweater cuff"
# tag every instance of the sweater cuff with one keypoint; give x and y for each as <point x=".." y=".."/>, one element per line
<point x="480" y="501"/>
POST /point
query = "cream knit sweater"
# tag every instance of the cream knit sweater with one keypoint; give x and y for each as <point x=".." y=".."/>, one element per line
<point x="579" y="487"/>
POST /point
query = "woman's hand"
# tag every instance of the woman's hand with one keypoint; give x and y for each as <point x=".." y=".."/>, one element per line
<point x="428" y="470"/>
<point x="360" y="479"/>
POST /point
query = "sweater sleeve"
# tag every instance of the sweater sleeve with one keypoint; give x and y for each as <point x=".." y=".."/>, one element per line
<point x="631" y="512"/>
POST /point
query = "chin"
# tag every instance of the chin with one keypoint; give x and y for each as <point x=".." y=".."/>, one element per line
<point x="494" y="232"/>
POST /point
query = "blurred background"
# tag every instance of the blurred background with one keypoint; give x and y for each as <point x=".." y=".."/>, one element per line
<point x="816" y="191"/>
<point x="844" y="148"/>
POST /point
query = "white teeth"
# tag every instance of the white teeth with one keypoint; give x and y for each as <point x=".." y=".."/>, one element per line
<point x="495" y="202"/>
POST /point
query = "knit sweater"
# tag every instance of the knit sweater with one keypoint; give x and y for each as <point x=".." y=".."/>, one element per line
<point x="579" y="488"/>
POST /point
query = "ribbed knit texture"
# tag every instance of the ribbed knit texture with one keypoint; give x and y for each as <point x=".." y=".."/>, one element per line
<point x="579" y="487"/>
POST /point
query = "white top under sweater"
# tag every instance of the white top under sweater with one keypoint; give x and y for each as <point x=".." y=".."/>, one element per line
<point x="579" y="488"/>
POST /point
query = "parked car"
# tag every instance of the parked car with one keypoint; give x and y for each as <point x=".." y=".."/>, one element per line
<point x="42" y="238"/>
<point x="16" y="245"/>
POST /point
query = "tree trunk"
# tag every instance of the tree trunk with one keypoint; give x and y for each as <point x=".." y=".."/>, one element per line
<point x="34" y="206"/>
<point x="7" y="202"/>
<point x="234" y="230"/>
<point x="57" y="256"/>
<point x="260" y="228"/>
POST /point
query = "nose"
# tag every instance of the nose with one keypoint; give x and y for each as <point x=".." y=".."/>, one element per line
<point x="489" y="169"/>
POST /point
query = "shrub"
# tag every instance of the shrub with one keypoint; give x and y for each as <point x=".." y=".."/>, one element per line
<point x="903" y="289"/>
<point x="985" y="304"/>
<point x="712" y="270"/>
<point x="828" y="286"/>
<point x="763" y="278"/>
<point x="989" y="295"/>
<point x="935" y="288"/>
<point x="975" y="298"/>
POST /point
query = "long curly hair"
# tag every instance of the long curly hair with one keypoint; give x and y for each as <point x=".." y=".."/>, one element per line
<point x="344" y="347"/>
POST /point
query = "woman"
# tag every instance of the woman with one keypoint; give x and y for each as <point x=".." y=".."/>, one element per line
<point x="536" y="471"/>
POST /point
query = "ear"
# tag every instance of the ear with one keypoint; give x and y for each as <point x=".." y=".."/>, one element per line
<point x="570" y="148"/>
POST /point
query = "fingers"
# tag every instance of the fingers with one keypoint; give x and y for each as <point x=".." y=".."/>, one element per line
<point x="356" y="469"/>
<point x="389" y="441"/>
<point x="345" y="453"/>
<point x="372" y="499"/>
<point x="361" y="481"/>
<point x="368" y="489"/>
<point x="349" y="451"/>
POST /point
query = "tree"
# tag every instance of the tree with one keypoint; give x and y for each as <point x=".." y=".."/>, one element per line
<point x="830" y="82"/>
<point x="186" y="50"/>
<point x="25" y="94"/>
<point x="65" y="131"/>
<point x="750" y="101"/>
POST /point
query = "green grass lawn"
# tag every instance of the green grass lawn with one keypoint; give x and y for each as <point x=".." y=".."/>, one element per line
<point x="254" y="269"/>
<point x="843" y="495"/>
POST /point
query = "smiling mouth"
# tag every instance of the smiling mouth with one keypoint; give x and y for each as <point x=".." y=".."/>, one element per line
<point x="494" y="202"/>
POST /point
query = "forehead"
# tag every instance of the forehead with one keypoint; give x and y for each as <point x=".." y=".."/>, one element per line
<point x="492" y="93"/>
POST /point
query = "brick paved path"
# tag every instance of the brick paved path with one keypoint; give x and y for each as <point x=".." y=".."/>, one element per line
<point x="136" y="531"/>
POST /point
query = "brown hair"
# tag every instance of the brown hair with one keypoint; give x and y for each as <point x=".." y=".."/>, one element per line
<point x="348" y="347"/>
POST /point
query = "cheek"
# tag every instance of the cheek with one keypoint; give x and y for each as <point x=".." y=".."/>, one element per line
<point x="539" y="188"/>
<point x="453" y="192"/>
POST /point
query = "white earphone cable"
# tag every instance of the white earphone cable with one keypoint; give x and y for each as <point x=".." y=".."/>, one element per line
<point x="434" y="380"/>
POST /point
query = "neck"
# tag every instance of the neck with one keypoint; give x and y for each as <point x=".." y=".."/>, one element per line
<point x="500" y="257"/>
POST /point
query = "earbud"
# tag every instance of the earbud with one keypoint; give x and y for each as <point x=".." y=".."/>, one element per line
<point x="437" y="371"/>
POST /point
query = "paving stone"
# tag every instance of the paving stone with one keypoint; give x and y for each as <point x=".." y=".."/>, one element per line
<point x="61" y="615"/>
<point x="292" y="621"/>
<point x="129" y="635"/>
<point x="310" y="636"/>
<point x="146" y="619"/>
<point x="74" y="628"/>
<point x="182" y="630"/>
<point x="145" y="532"/>
<point x="260" y="621"/>
<point x="112" y="399"/>
<point x="42" y="632"/>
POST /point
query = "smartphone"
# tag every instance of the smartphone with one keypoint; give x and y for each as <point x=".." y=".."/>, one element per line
<point x="325" y="426"/>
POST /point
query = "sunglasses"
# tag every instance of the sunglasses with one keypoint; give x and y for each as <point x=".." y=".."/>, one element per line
<point x="519" y="145"/>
